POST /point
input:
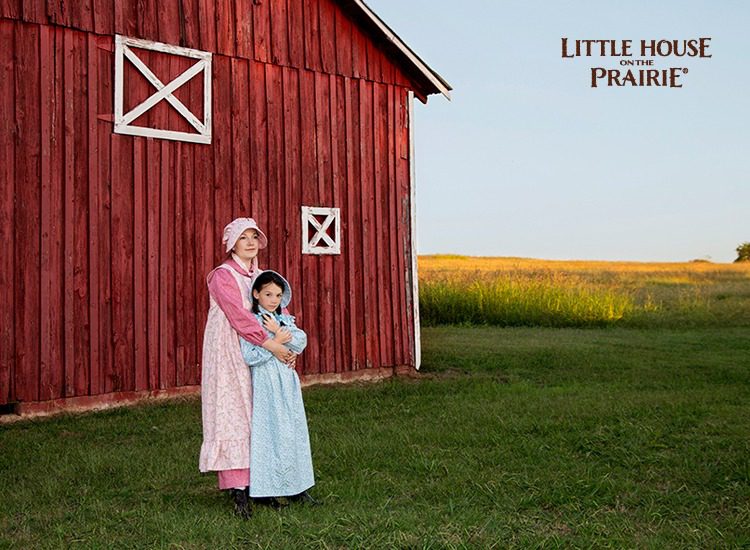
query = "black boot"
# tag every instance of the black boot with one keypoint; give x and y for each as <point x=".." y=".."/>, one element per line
<point x="305" y="498"/>
<point x="242" y="505"/>
<point x="273" y="502"/>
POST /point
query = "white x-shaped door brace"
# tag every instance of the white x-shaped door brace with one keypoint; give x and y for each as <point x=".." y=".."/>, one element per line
<point x="331" y="244"/>
<point x="123" y="121"/>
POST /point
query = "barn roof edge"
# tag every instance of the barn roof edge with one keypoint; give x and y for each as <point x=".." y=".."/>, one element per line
<point x="438" y="83"/>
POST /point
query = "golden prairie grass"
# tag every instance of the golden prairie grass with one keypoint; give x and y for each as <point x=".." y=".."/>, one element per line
<point x="521" y="291"/>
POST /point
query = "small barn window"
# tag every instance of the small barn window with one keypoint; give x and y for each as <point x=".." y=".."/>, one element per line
<point x="321" y="230"/>
<point x="124" y="121"/>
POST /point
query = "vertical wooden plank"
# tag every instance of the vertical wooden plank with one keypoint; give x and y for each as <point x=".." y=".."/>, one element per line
<point x="324" y="198"/>
<point x="222" y="143"/>
<point x="164" y="252"/>
<point x="225" y="33"/>
<point x="81" y="344"/>
<point x="185" y="278"/>
<point x="312" y="36"/>
<point x="207" y="25"/>
<point x="262" y="31"/>
<point x="382" y="231"/>
<point x="241" y="136"/>
<point x="205" y="236"/>
<point x="276" y="211"/>
<point x="258" y="146"/>
<point x="310" y="307"/>
<point x="140" y="263"/>
<point x="168" y="17"/>
<point x="122" y="264"/>
<point x="295" y="31"/>
<point x="148" y="19"/>
<point x="398" y="298"/>
<point x="177" y="315"/>
<point x="244" y="25"/>
<point x="343" y="31"/>
<point x="175" y="169"/>
<point x="27" y="215"/>
<point x="81" y="14"/>
<point x="338" y="164"/>
<point x="166" y="276"/>
<point x="293" y="192"/>
<point x="57" y="14"/>
<point x="69" y="213"/>
<point x="104" y="163"/>
<point x="10" y="9"/>
<point x="94" y="232"/>
<point x="351" y="224"/>
<point x="34" y="11"/>
<point x="7" y="216"/>
<point x="126" y="17"/>
<point x="189" y="31"/>
<point x="104" y="17"/>
<point x="155" y="255"/>
<point x="374" y="67"/>
<point x="372" y="313"/>
<point x="279" y="33"/>
<point x="327" y="36"/>
<point x="389" y="70"/>
<point x="50" y="316"/>
<point x="359" y="53"/>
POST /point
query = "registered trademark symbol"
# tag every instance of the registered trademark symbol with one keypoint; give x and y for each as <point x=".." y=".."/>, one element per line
<point x="684" y="71"/>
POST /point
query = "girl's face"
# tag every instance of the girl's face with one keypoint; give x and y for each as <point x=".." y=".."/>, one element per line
<point x="269" y="296"/>
<point x="247" y="245"/>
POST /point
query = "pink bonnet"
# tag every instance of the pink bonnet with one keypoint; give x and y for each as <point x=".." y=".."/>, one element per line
<point x="236" y="228"/>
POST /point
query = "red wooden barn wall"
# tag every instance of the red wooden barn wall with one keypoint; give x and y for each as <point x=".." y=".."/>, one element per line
<point x="108" y="238"/>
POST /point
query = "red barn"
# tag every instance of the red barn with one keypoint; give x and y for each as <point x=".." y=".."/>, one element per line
<point x="132" y="131"/>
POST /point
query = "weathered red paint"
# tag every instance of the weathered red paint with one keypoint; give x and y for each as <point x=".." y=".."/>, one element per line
<point x="109" y="237"/>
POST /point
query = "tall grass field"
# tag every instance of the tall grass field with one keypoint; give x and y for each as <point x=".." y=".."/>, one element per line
<point x="524" y="292"/>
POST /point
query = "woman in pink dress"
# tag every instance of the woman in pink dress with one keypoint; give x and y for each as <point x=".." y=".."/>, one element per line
<point x="226" y="390"/>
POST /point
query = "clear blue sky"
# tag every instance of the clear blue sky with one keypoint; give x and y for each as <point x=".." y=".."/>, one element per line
<point x="528" y="160"/>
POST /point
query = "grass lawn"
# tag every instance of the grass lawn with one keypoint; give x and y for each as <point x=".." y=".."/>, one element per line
<point x="525" y="437"/>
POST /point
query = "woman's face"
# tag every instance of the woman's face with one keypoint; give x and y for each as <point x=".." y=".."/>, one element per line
<point x="247" y="245"/>
<point x="269" y="296"/>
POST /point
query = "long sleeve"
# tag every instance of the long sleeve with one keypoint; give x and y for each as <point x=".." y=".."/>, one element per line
<point x="225" y="291"/>
<point x="254" y="356"/>
<point x="298" y="343"/>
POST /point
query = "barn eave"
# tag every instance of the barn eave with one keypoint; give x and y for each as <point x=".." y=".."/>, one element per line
<point x="428" y="80"/>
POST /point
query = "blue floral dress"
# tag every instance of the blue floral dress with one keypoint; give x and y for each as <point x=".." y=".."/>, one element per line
<point x="280" y="458"/>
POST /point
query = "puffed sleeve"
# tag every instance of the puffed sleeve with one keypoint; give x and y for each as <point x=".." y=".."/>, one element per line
<point x="226" y="292"/>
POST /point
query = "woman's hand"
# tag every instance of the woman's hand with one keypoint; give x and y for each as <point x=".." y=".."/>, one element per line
<point x="271" y="324"/>
<point x="282" y="336"/>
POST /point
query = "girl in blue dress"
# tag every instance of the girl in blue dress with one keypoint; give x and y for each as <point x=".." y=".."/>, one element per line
<point x="280" y="459"/>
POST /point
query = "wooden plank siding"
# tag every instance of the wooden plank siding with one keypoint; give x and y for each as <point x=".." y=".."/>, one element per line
<point x="109" y="237"/>
<point x="315" y="35"/>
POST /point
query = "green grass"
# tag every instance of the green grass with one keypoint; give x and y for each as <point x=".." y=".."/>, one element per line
<point x="513" y="437"/>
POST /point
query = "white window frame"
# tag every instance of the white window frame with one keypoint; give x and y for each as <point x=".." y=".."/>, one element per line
<point x="332" y="245"/>
<point x="123" y="121"/>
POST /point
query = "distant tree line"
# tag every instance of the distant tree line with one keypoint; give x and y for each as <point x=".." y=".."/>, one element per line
<point x="743" y="253"/>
